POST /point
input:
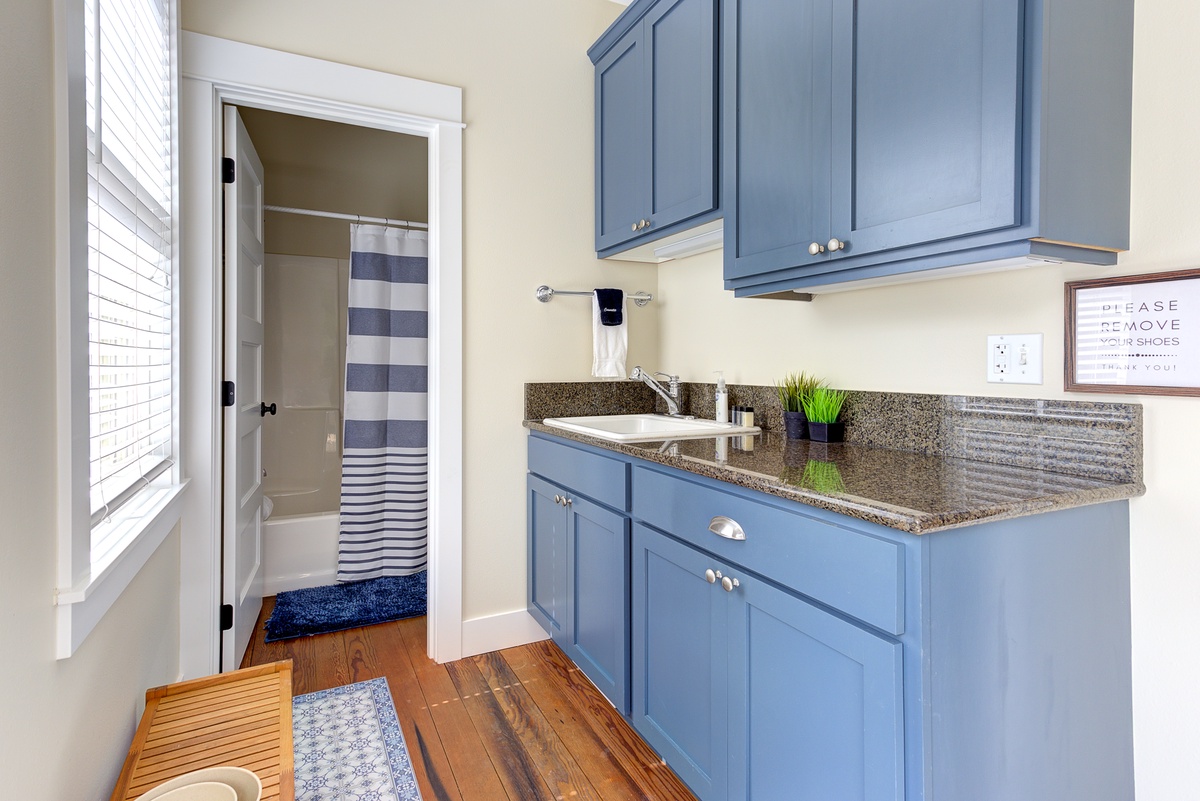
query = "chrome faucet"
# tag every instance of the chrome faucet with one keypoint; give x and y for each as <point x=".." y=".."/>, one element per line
<point x="670" y="394"/>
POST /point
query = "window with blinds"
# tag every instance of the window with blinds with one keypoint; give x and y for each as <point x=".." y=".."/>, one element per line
<point x="130" y="231"/>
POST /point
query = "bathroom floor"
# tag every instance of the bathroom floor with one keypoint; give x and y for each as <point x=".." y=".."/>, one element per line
<point x="520" y="724"/>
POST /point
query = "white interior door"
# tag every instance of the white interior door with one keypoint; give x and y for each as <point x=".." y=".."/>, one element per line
<point x="241" y="560"/>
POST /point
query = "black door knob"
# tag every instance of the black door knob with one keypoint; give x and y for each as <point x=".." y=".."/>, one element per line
<point x="264" y="409"/>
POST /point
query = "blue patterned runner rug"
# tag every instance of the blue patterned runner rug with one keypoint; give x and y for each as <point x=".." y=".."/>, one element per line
<point x="349" y="747"/>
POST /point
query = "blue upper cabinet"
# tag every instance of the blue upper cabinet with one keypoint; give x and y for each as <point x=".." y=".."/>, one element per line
<point x="868" y="140"/>
<point x="656" y="101"/>
<point x="926" y="105"/>
<point x="777" y="133"/>
<point x="623" y="141"/>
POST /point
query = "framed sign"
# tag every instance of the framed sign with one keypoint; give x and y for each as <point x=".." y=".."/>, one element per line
<point x="1137" y="334"/>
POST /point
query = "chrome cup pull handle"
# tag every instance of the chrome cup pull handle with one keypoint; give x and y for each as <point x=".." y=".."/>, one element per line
<point x="726" y="527"/>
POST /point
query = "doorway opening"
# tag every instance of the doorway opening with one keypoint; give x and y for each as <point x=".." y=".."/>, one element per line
<point x="218" y="73"/>
<point x="328" y="168"/>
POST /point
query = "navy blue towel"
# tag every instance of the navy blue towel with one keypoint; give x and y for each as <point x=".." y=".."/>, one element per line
<point x="612" y="305"/>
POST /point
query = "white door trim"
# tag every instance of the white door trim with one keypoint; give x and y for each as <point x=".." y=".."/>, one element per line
<point x="218" y="71"/>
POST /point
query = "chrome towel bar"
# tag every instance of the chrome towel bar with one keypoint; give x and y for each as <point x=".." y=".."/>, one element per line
<point x="545" y="293"/>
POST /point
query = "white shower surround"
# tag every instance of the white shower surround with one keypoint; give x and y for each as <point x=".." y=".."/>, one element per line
<point x="299" y="551"/>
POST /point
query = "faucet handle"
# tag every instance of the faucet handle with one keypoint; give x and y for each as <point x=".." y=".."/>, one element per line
<point x="667" y="376"/>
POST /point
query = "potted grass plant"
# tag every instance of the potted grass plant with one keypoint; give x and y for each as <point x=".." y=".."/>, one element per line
<point x="822" y="407"/>
<point x="793" y="389"/>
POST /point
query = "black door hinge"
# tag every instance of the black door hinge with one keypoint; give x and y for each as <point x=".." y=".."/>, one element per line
<point x="227" y="171"/>
<point x="226" y="617"/>
<point x="227" y="393"/>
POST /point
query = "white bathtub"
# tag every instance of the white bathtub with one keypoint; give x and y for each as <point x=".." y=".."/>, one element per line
<point x="299" y="551"/>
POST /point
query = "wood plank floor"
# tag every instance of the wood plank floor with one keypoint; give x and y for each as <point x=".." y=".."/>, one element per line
<point x="521" y="724"/>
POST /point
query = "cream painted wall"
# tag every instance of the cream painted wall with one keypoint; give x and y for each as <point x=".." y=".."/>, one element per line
<point x="65" y="726"/>
<point x="527" y="171"/>
<point x="930" y="337"/>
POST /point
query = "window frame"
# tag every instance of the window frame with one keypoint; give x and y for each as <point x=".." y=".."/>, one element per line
<point x="82" y="596"/>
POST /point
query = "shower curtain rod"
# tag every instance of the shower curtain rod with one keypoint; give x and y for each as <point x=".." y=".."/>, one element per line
<point x="333" y="215"/>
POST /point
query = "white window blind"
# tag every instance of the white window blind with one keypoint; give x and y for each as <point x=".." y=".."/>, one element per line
<point x="130" y="231"/>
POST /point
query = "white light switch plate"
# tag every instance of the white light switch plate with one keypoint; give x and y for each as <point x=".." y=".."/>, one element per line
<point x="1014" y="359"/>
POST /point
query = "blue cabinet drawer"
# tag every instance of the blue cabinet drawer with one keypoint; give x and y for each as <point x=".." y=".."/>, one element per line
<point x="600" y="478"/>
<point x="854" y="572"/>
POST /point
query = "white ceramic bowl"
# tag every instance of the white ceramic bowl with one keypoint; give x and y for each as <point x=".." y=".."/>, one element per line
<point x="244" y="783"/>
<point x="200" y="791"/>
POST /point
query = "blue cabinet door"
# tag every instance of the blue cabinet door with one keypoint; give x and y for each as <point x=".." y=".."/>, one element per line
<point x="547" y="569"/>
<point x="816" y="702"/>
<point x="926" y="121"/>
<point x="679" y="665"/>
<point x="623" y="156"/>
<point x="598" y="589"/>
<point x="681" y="38"/>
<point x="656" y="124"/>
<point x="777" y="133"/>
<point x="853" y="128"/>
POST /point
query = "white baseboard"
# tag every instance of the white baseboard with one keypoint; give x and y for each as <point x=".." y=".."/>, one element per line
<point x="506" y="630"/>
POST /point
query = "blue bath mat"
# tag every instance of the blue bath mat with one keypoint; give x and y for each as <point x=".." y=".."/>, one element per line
<point x="299" y="613"/>
<point x="348" y="746"/>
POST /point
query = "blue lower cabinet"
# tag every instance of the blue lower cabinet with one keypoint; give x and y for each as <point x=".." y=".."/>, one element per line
<point x="547" y="569"/>
<point x="750" y="693"/>
<point x="680" y="670"/>
<point x="816" y="702"/>
<point x="598" y="597"/>
<point x="822" y="658"/>
<point x="579" y="579"/>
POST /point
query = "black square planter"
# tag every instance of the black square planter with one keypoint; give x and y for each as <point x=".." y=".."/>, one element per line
<point x="826" y="432"/>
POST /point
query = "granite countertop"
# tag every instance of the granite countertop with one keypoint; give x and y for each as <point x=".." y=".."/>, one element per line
<point x="910" y="491"/>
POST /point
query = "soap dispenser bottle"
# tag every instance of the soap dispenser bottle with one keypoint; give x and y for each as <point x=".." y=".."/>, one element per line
<point x="722" y="398"/>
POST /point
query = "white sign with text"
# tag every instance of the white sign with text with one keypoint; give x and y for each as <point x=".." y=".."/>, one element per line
<point x="1138" y="334"/>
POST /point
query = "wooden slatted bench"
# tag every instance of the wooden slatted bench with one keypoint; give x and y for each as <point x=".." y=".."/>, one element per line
<point x="243" y="718"/>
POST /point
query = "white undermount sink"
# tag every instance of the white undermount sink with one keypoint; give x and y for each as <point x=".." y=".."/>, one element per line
<point x="646" y="427"/>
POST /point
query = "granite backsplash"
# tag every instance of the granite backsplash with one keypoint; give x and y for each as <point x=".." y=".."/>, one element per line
<point x="1098" y="440"/>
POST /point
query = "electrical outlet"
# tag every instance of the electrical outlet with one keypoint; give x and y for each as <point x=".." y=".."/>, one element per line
<point x="1014" y="359"/>
<point x="999" y="357"/>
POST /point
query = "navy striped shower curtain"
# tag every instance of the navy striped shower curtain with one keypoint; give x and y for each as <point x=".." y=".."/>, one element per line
<point x="385" y="481"/>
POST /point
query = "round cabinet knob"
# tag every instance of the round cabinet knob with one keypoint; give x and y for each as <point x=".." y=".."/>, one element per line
<point x="836" y="244"/>
<point x="633" y="227"/>
<point x="728" y="584"/>
<point x="558" y="499"/>
<point x="567" y="500"/>
<point x="710" y="576"/>
<point x="643" y="224"/>
<point x="816" y="249"/>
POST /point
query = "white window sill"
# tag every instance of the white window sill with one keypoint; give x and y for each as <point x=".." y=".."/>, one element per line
<point x="81" y="607"/>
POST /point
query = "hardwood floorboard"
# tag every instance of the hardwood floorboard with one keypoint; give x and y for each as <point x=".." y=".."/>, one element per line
<point x="516" y="725"/>
<point x="362" y="662"/>
<point x="596" y="735"/>
<point x="472" y="763"/>
<point x="324" y="664"/>
<point x="558" y="768"/>
<point x="519" y="774"/>
<point x="383" y="652"/>
<point x="545" y="659"/>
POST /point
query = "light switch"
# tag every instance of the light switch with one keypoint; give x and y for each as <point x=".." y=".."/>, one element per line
<point x="1014" y="359"/>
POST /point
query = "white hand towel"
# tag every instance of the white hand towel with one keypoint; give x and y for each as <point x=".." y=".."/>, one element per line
<point x="610" y="343"/>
